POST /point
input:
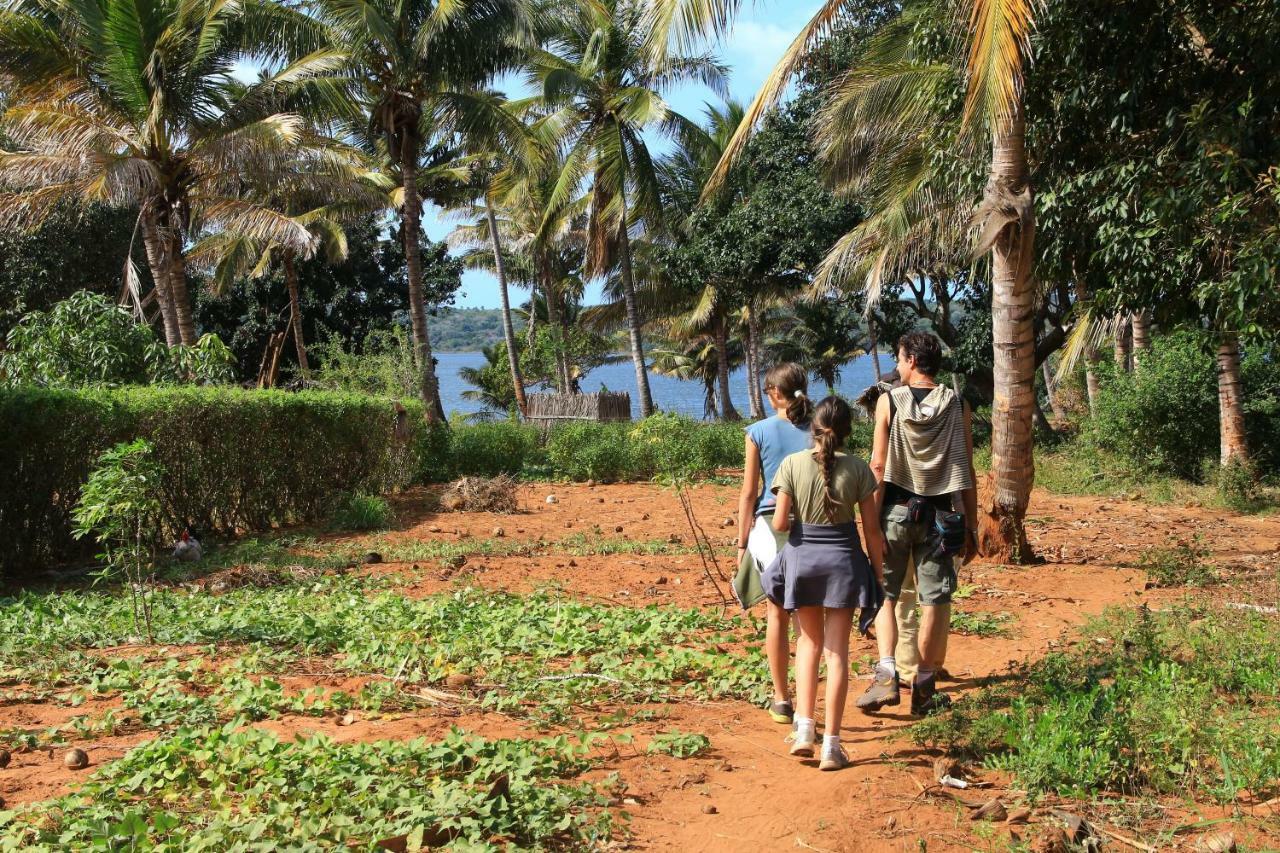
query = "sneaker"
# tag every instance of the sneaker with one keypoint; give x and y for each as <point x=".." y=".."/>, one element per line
<point x="883" y="691"/>
<point x="802" y="745"/>
<point x="833" y="759"/>
<point x="926" y="698"/>
<point x="782" y="712"/>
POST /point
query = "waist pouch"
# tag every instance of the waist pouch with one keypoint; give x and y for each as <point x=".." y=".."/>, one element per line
<point x="920" y="510"/>
<point x="951" y="530"/>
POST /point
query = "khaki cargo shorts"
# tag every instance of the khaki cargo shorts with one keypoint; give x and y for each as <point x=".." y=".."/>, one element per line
<point x="906" y="542"/>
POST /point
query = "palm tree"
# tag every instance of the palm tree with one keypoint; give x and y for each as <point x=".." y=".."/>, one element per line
<point x="325" y="186"/>
<point x="603" y="88"/>
<point x="418" y="66"/>
<point x="544" y="245"/>
<point x="133" y="104"/>
<point x="699" y="360"/>
<point x="494" y="395"/>
<point x="995" y="54"/>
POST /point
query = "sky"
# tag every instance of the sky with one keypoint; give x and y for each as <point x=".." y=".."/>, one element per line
<point x="760" y="35"/>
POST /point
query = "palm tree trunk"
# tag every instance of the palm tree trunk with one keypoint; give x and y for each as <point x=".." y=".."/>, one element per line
<point x="1232" y="439"/>
<point x="295" y="314"/>
<point x="508" y="330"/>
<point x="754" y="397"/>
<point x="178" y="295"/>
<point x="562" y="352"/>
<point x="1051" y="393"/>
<point x="160" y="278"/>
<point x="1013" y="303"/>
<point x="727" y="410"/>
<point x="633" y="317"/>
<point x="1141" y="335"/>
<point x="411" y="231"/>
<point x="557" y="332"/>
<point x="1124" y="344"/>
<point x="875" y="345"/>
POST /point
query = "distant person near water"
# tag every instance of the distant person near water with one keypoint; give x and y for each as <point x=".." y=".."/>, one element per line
<point x="823" y="573"/>
<point x="922" y="452"/>
<point x="768" y="442"/>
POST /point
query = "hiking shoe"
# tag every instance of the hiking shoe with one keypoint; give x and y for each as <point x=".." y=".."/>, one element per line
<point x="883" y="691"/>
<point x="926" y="698"/>
<point x="802" y="744"/>
<point x="833" y="759"/>
<point x="782" y="712"/>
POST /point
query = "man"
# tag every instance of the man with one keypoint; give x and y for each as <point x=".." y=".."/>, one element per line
<point x="922" y="453"/>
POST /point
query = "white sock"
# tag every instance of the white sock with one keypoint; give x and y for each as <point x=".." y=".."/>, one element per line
<point x="924" y="674"/>
<point x="805" y="728"/>
<point x="888" y="666"/>
<point x="830" y="743"/>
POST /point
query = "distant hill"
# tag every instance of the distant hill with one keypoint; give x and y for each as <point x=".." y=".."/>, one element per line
<point x="468" y="329"/>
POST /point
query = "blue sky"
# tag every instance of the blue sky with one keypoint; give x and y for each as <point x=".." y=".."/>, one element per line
<point x="759" y="37"/>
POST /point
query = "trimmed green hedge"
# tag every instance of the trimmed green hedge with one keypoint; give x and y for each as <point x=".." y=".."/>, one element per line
<point x="238" y="460"/>
<point x="233" y="459"/>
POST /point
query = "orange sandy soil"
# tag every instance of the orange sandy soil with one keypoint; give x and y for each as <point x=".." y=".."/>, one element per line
<point x="747" y="793"/>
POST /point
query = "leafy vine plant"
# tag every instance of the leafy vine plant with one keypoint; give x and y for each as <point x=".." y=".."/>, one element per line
<point x="119" y="507"/>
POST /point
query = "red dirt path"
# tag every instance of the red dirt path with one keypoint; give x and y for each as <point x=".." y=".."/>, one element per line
<point x="748" y="793"/>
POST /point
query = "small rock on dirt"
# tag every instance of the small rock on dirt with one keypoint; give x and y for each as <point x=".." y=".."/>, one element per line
<point x="498" y="532"/>
<point x="573" y="564"/>
<point x="709" y="809"/>
<point x="617" y="528"/>
<point x="347" y="719"/>
<point x="373" y="557"/>
<point x="660" y="580"/>
<point x="568" y="524"/>
<point x="1218" y="842"/>
<point x="5" y="758"/>
<point x="644" y="517"/>
<point x="673" y="539"/>
<point x="728" y="522"/>
<point x="76" y="759"/>
<point x="990" y="810"/>
<point x="552" y="499"/>
<point x="599" y="500"/>
<point x="457" y="680"/>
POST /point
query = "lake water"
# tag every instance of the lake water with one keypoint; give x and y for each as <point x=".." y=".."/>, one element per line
<point x="671" y="395"/>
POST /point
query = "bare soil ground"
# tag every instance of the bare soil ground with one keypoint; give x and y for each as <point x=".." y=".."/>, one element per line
<point x="747" y="793"/>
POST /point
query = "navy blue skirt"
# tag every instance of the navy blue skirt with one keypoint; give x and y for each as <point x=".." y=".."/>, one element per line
<point x="823" y="565"/>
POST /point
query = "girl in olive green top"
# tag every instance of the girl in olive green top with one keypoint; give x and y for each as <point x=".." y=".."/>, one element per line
<point x="823" y="573"/>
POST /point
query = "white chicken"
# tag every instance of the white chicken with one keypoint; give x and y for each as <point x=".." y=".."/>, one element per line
<point x="187" y="548"/>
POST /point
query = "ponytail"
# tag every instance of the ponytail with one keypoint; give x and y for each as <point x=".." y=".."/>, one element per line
<point x="790" y="380"/>
<point x="832" y="424"/>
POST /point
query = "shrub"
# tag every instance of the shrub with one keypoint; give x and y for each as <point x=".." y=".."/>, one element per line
<point x="1163" y="416"/>
<point x="591" y="451"/>
<point x="361" y="512"/>
<point x="232" y="459"/>
<point x="86" y="339"/>
<point x="490" y="449"/>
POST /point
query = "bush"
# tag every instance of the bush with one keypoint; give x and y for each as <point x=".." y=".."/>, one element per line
<point x="1163" y="416"/>
<point x="361" y="512"/>
<point x="87" y="339"/>
<point x="232" y="459"/>
<point x="591" y="451"/>
<point x="490" y="449"/>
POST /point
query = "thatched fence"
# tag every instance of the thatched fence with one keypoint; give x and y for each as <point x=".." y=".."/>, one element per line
<point x="548" y="410"/>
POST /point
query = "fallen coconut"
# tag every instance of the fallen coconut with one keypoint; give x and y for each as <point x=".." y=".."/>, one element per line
<point x="5" y="757"/>
<point x="76" y="759"/>
<point x="552" y="499"/>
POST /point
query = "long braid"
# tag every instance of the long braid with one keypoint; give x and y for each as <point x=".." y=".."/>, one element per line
<point x="832" y="423"/>
<point x="824" y="451"/>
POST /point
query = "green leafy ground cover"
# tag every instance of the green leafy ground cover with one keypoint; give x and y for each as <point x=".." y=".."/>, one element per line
<point x="1179" y="702"/>
<point x="219" y="788"/>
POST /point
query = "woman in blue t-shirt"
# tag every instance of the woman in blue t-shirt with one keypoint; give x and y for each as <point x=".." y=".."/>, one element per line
<point x="769" y="442"/>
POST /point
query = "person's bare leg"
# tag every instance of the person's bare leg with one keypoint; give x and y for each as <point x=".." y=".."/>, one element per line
<point x="905" y="653"/>
<point x="777" y="647"/>
<point x="808" y="651"/>
<point x="935" y="622"/>
<point x="839" y="624"/>
<point x="887" y="628"/>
